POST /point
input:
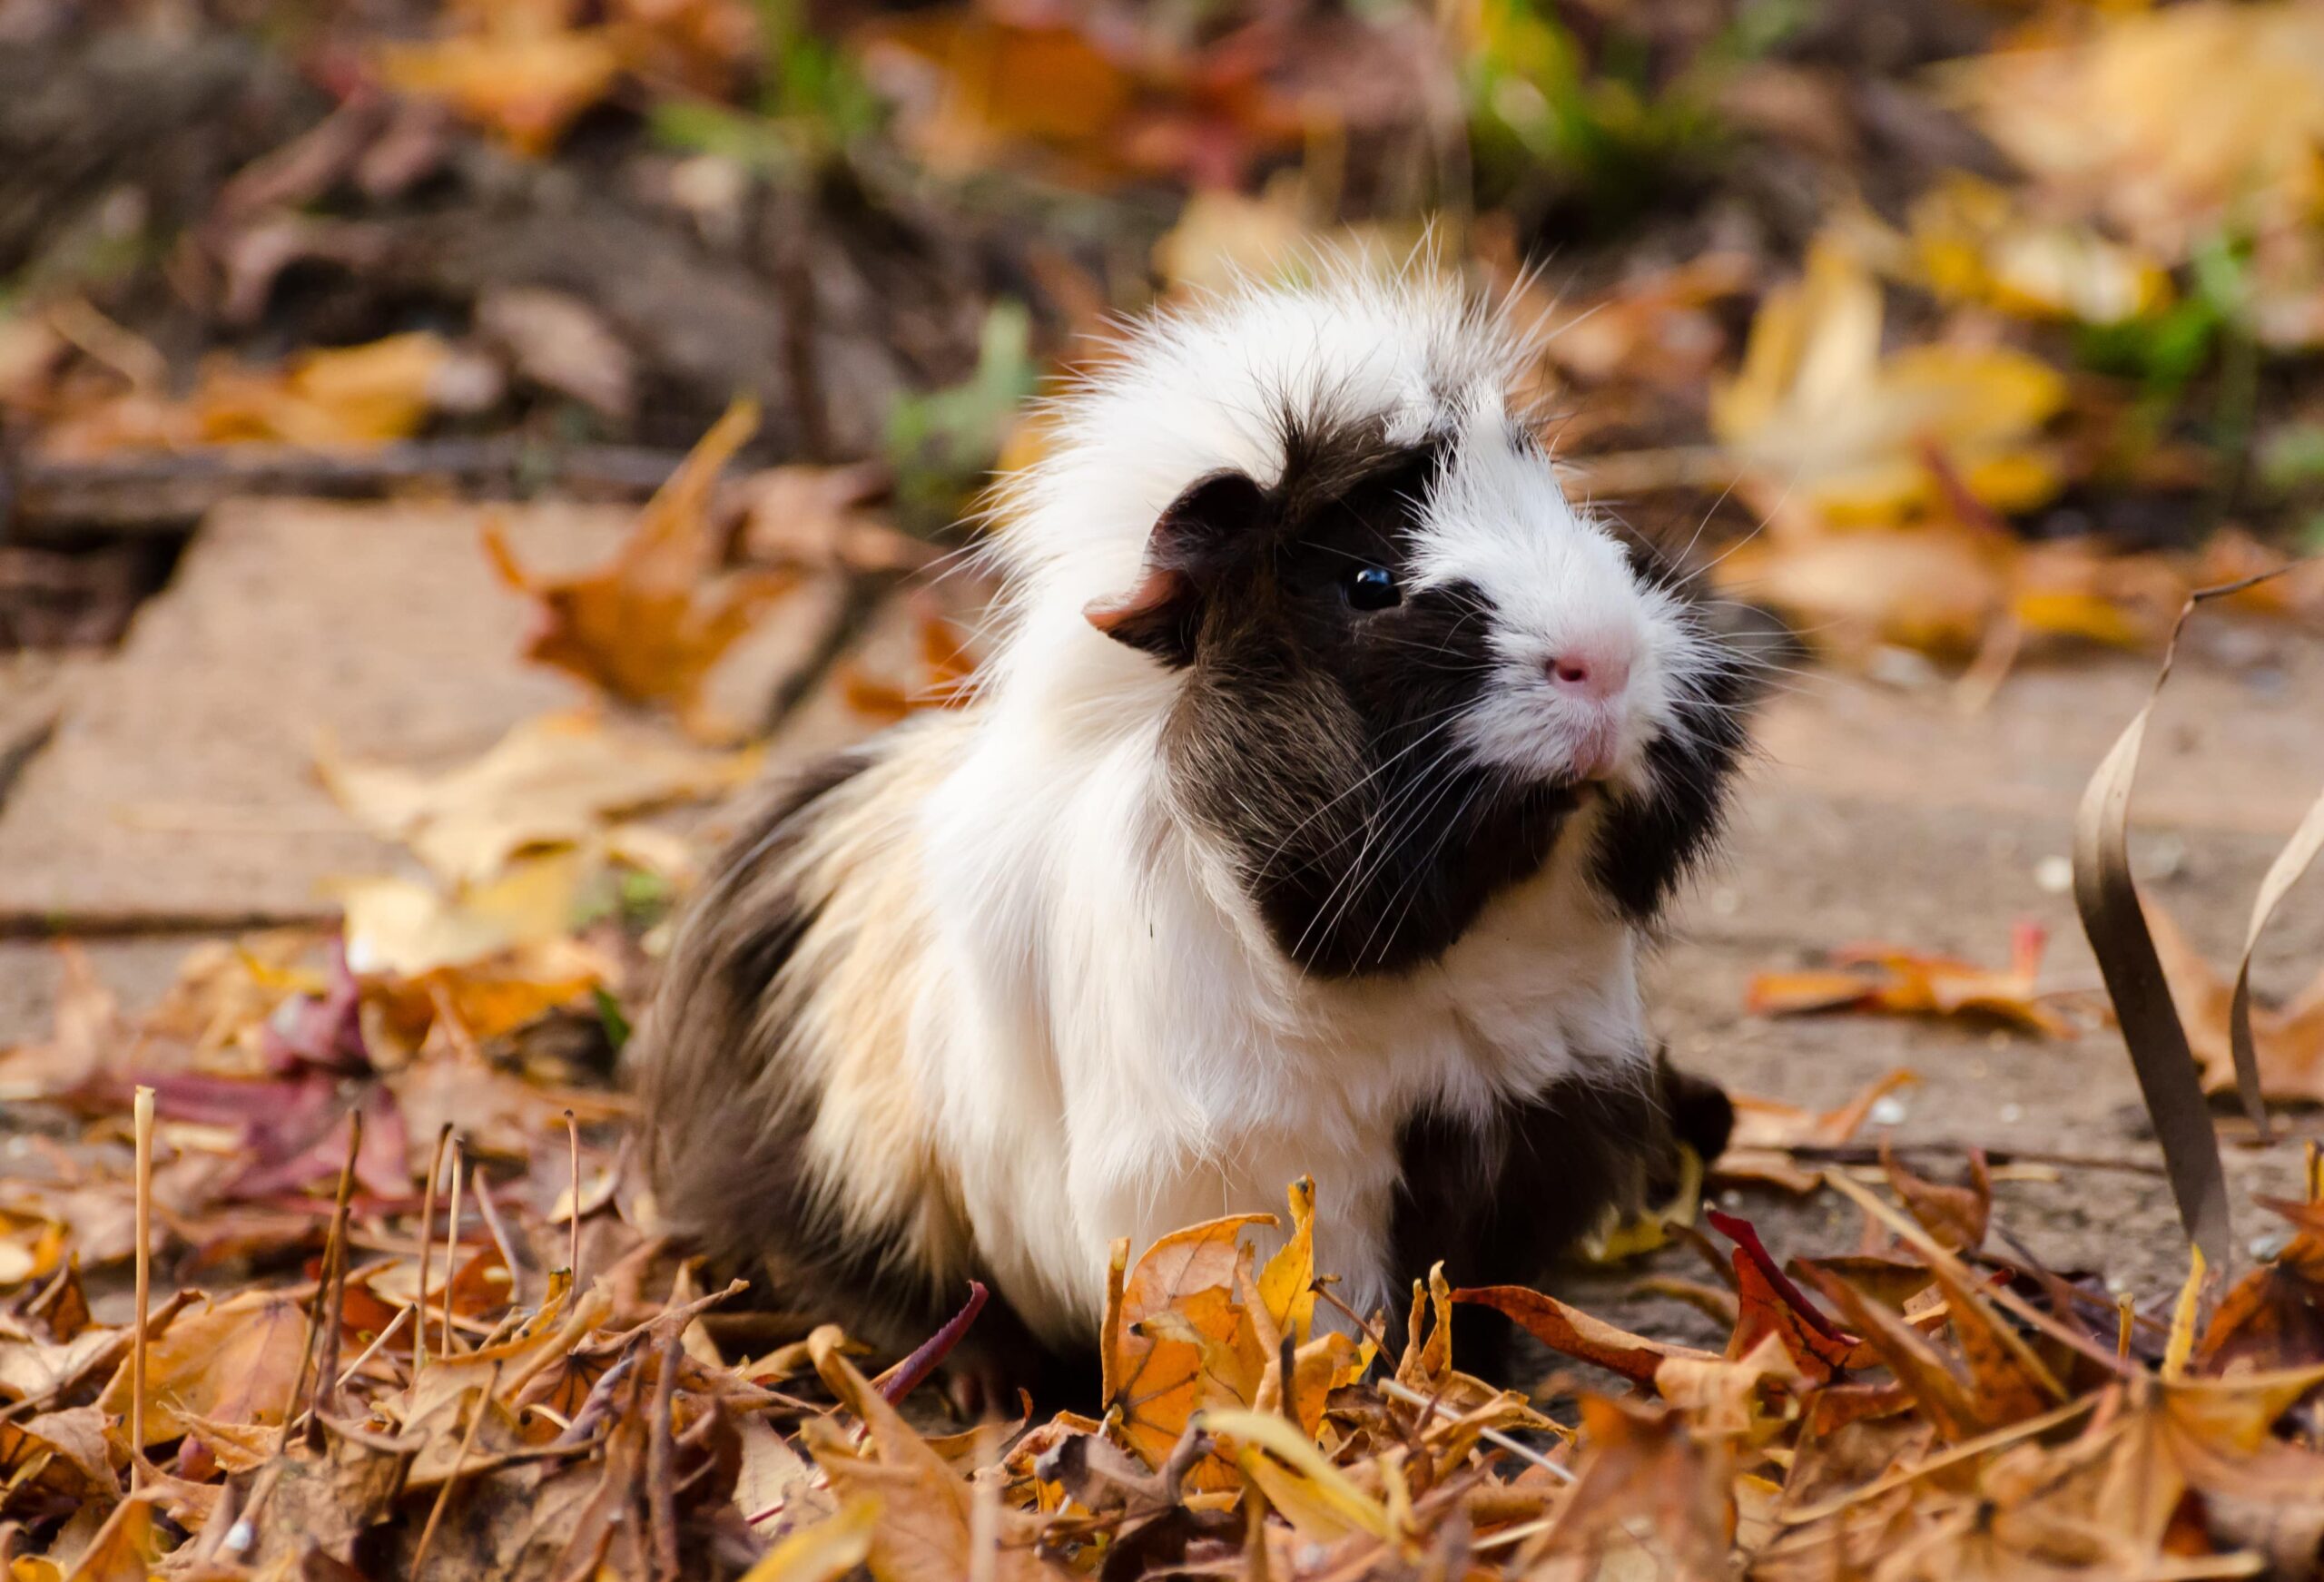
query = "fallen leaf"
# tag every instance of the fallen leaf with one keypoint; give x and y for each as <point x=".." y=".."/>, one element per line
<point x="554" y="780"/>
<point x="822" y="1551"/>
<point x="86" y="1026"/>
<point x="560" y="342"/>
<point x="1819" y="408"/>
<point x="2273" y="1317"/>
<point x="1954" y="1216"/>
<point x="649" y="624"/>
<point x="1571" y="1333"/>
<point x="1973" y="242"/>
<point x="234" y="1362"/>
<point x="821" y="518"/>
<point x="332" y="399"/>
<point x="125" y="1547"/>
<point x="2166" y="122"/>
<point x="414" y="928"/>
<point x="1904" y="982"/>
<point x="1765" y="1132"/>
<point x="927" y="1521"/>
<point x="523" y="82"/>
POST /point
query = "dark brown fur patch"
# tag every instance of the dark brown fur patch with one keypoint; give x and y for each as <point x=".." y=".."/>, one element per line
<point x="1498" y="1202"/>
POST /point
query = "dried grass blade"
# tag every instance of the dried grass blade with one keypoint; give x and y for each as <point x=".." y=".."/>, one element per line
<point x="2107" y="897"/>
<point x="2292" y="862"/>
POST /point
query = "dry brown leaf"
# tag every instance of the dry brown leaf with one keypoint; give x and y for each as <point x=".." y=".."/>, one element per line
<point x="1956" y="1217"/>
<point x="523" y="81"/>
<point x="821" y="518"/>
<point x="334" y="398"/>
<point x="125" y="1547"/>
<point x="1571" y="1333"/>
<point x="1904" y="982"/>
<point x="927" y="1522"/>
<point x="649" y="624"/>
<point x="86" y="1026"/>
<point x="232" y="1362"/>
<point x="1765" y="1133"/>
<point x="2273" y="1317"/>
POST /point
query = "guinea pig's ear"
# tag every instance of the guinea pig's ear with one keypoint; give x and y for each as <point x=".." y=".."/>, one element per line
<point x="1192" y="540"/>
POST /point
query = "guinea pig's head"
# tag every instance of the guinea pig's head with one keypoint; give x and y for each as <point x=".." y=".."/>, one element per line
<point x="1406" y="666"/>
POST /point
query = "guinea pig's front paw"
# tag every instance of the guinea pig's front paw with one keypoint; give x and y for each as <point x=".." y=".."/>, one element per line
<point x="1701" y="1115"/>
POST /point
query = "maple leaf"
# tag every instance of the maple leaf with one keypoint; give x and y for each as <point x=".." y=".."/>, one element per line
<point x="1819" y="408"/>
<point x="2273" y="1317"/>
<point x="235" y="1361"/>
<point x="1905" y="982"/>
<point x="649" y="625"/>
<point x="1157" y="1380"/>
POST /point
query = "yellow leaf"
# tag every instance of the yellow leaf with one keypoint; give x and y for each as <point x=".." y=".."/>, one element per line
<point x="1316" y="1497"/>
<point x="824" y="1552"/>
<point x="1816" y="407"/>
<point x="553" y="780"/>
<point x="2180" y="1343"/>
<point x="1154" y="1381"/>
<point x="407" y="926"/>
<point x="1973" y="244"/>
<point x="1287" y="1284"/>
<point x="2167" y="122"/>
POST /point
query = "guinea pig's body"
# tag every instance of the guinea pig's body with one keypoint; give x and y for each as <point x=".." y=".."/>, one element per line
<point x="1308" y="823"/>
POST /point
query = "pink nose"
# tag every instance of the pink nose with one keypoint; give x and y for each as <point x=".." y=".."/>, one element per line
<point x="1593" y="673"/>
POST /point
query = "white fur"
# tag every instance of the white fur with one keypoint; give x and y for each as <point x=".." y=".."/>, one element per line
<point x="1110" y="1044"/>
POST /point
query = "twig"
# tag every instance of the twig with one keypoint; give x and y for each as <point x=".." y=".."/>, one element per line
<point x="493" y="1227"/>
<point x="662" y="1510"/>
<point x="452" y="1244"/>
<point x="427" y="1238"/>
<point x="1379" y="1341"/>
<point x="142" y="1111"/>
<point x="1436" y="1408"/>
<point x="333" y="1296"/>
<point x="573" y="1242"/>
<point x="443" y="1494"/>
<point x="371" y="1351"/>
<point x="2000" y="1158"/>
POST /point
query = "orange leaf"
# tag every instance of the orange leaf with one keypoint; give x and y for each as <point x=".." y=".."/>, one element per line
<point x="1573" y="1334"/>
<point x="1155" y="1376"/>
<point x="650" y="624"/>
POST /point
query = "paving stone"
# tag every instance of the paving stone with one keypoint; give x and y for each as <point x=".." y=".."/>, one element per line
<point x="178" y="789"/>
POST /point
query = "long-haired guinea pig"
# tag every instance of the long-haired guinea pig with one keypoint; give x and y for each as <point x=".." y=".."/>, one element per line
<point x="1328" y="774"/>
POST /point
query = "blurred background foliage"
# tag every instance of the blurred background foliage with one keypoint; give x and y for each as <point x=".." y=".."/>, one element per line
<point x="1981" y="320"/>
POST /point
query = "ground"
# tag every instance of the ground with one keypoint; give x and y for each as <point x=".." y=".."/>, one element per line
<point x="1883" y="809"/>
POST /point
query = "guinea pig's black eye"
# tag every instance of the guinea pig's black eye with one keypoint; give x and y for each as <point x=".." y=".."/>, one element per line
<point x="1372" y="587"/>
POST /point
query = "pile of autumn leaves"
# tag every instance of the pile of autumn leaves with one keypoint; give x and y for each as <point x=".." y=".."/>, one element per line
<point x="1921" y="1408"/>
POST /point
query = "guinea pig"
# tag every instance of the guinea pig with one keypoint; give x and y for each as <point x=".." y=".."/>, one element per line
<point x="1328" y="774"/>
